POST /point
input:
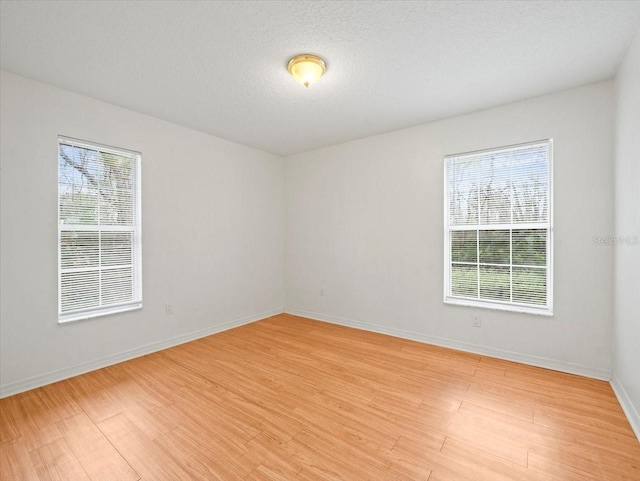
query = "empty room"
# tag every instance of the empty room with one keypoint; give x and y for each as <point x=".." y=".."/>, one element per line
<point x="319" y="240"/>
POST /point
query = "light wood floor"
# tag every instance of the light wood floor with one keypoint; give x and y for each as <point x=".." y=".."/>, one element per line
<point x="288" y="398"/>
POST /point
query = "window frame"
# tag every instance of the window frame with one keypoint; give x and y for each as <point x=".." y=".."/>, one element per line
<point x="136" y="261"/>
<point x="546" y="310"/>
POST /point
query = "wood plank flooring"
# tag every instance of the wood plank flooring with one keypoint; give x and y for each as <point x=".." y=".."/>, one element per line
<point x="289" y="398"/>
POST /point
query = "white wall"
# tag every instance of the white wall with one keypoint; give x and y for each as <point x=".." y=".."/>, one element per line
<point x="626" y="378"/>
<point x="364" y="222"/>
<point x="212" y="214"/>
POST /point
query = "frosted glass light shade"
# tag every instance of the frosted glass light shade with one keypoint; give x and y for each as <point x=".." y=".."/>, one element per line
<point x="306" y="69"/>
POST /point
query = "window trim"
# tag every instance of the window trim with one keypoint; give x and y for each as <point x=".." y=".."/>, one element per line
<point x="92" y="312"/>
<point x="546" y="310"/>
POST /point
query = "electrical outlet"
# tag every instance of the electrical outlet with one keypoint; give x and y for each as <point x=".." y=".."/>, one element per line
<point x="168" y="310"/>
<point x="477" y="322"/>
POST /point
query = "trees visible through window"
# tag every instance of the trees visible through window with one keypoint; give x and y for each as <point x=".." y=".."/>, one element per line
<point x="99" y="244"/>
<point x="498" y="228"/>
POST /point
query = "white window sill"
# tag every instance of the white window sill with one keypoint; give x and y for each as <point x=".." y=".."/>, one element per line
<point x="81" y="316"/>
<point x="540" y="311"/>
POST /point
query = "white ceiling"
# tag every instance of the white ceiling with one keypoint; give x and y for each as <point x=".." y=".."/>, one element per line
<point x="220" y="66"/>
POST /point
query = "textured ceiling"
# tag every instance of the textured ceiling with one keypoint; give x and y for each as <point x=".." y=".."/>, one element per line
<point x="220" y="67"/>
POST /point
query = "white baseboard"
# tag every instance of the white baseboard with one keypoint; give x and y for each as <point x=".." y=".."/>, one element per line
<point x="627" y="406"/>
<point x="58" y="375"/>
<point x="547" y="363"/>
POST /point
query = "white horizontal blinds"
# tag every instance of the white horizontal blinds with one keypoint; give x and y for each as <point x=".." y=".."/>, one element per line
<point x="99" y="228"/>
<point x="499" y="224"/>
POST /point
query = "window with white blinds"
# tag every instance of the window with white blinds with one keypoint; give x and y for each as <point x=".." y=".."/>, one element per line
<point x="498" y="229"/>
<point x="99" y="244"/>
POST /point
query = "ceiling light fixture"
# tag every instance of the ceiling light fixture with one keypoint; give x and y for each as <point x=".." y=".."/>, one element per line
<point x="306" y="68"/>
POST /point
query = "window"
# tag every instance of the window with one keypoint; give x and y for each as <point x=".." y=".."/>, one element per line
<point x="498" y="229"/>
<point x="99" y="244"/>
